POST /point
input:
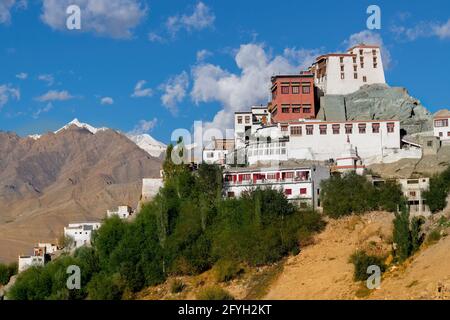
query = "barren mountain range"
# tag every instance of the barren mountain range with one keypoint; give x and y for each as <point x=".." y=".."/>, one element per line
<point x="75" y="174"/>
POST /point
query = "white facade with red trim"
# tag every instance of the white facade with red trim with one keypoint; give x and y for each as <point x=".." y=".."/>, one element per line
<point x="344" y="73"/>
<point x="300" y="184"/>
<point x="374" y="141"/>
<point x="441" y="126"/>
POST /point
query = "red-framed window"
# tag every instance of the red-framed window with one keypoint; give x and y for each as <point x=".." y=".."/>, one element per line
<point x="285" y="89"/>
<point x="288" y="192"/>
<point x="390" y="127"/>
<point x="296" y="131"/>
<point x="348" y="128"/>
<point x="295" y="89"/>
<point x="441" y="123"/>
<point x="336" y="128"/>
<point x="362" y="128"/>
<point x="306" y="89"/>
<point x="303" y="191"/>
<point x="375" y="128"/>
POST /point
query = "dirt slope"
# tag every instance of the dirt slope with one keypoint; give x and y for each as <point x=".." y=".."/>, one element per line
<point x="322" y="270"/>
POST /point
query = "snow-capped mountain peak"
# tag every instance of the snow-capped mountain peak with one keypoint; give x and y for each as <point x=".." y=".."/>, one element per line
<point x="76" y="122"/>
<point x="149" y="144"/>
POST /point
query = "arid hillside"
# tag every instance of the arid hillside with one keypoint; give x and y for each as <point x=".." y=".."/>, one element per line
<point x="323" y="271"/>
<point x="59" y="178"/>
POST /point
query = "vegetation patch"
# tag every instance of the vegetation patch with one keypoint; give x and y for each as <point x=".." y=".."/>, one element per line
<point x="214" y="293"/>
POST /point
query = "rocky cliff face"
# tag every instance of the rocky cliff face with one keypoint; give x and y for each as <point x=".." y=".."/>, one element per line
<point x="378" y="102"/>
<point x="69" y="176"/>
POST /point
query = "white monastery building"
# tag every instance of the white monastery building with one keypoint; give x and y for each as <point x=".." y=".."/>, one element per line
<point x="344" y="73"/>
<point x="123" y="212"/>
<point x="81" y="233"/>
<point x="372" y="141"/>
<point x="217" y="151"/>
<point x="299" y="184"/>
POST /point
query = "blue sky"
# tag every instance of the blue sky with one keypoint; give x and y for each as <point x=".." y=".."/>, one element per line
<point x="160" y="65"/>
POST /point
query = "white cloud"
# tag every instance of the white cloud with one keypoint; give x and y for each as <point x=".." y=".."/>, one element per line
<point x="140" y="91"/>
<point x="371" y="38"/>
<point x="174" y="91"/>
<point x="113" y="18"/>
<point x="423" y="29"/>
<point x="203" y="54"/>
<point x="54" y="95"/>
<point x="22" y="76"/>
<point x="45" y="109"/>
<point x="6" y="6"/>
<point x="6" y="93"/>
<point x="144" y="126"/>
<point x="47" y="78"/>
<point x="237" y="92"/>
<point x="201" y="18"/>
<point x="107" y="101"/>
<point x="154" y="37"/>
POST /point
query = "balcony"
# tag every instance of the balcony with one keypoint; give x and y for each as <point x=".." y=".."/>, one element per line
<point x="260" y="182"/>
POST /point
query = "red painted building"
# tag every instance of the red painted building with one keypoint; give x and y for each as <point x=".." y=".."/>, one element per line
<point x="293" y="97"/>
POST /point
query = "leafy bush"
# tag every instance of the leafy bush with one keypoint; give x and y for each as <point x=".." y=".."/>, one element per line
<point x="361" y="260"/>
<point x="104" y="286"/>
<point x="434" y="236"/>
<point x="351" y="193"/>
<point x="6" y="272"/>
<point x="214" y="293"/>
<point x="226" y="270"/>
<point x="436" y="195"/>
<point x="407" y="235"/>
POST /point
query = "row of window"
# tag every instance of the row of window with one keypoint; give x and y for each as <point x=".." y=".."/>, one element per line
<point x="285" y="108"/>
<point x="355" y="76"/>
<point x="441" y="134"/>
<point x="288" y="192"/>
<point x="294" y="89"/>
<point x="240" y="118"/>
<point x="336" y="129"/>
<point x="441" y="123"/>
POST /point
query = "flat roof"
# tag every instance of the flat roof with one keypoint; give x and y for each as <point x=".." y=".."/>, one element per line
<point x="300" y="75"/>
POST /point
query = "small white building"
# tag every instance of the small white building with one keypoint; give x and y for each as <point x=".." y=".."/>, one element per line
<point x="413" y="191"/>
<point x="123" y="212"/>
<point x="81" y="233"/>
<point x="441" y="126"/>
<point x="50" y="248"/>
<point x="345" y="73"/>
<point x="26" y="262"/>
<point x="299" y="184"/>
<point x="246" y="124"/>
<point x="374" y="141"/>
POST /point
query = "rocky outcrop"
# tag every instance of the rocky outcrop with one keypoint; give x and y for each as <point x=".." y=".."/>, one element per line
<point x="378" y="102"/>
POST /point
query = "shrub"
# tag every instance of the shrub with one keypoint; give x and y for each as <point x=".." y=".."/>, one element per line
<point x="177" y="286"/>
<point x="214" y="293"/>
<point x="106" y="287"/>
<point x="436" y="195"/>
<point x="407" y="235"/>
<point x="33" y="284"/>
<point x="226" y="270"/>
<point x="433" y="237"/>
<point x="361" y="261"/>
<point x="6" y="272"/>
